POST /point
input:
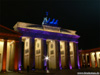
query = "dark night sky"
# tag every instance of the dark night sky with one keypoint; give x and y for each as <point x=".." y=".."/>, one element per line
<point x="80" y="15"/>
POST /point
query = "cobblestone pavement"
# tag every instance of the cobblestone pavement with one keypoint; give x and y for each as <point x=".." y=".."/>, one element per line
<point x="57" y="72"/>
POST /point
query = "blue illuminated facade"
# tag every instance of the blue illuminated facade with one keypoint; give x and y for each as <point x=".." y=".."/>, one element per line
<point x="49" y="30"/>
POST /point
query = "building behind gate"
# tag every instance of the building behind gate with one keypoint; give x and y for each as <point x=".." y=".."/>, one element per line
<point x="90" y="58"/>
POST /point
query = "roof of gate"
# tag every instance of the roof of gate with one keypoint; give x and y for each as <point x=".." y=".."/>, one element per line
<point x="43" y="28"/>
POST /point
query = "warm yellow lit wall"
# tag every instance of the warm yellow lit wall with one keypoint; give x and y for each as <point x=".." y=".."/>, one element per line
<point x="1" y="52"/>
<point x="71" y="44"/>
<point x="11" y="57"/>
<point x="26" y="54"/>
<point x="62" y="43"/>
<point x="38" y="55"/>
<point x="27" y="43"/>
<point x="38" y="41"/>
<point x="93" y="59"/>
<point x="52" y="62"/>
<point x="98" y="58"/>
<point x="62" y="51"/>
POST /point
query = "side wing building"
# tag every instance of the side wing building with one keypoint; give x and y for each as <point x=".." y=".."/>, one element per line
<point x="10" y="49"/>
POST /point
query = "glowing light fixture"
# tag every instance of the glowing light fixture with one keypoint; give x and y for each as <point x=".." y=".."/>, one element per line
<point x="47" y="71"/>
<point x="70" y="67"/>
<point x="19" y="69"/>
<point x="46" y="58"/>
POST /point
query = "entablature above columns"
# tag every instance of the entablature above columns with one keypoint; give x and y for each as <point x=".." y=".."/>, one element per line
<point x="48" y="35"/>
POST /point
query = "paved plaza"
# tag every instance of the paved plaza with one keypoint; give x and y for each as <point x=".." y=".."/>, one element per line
<point x="58" y="72"/>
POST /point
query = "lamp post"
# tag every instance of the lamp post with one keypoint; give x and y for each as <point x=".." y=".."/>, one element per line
<point x="46" y="59"/>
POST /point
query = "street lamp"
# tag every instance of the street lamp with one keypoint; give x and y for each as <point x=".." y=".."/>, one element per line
<point x="46" y="59"/>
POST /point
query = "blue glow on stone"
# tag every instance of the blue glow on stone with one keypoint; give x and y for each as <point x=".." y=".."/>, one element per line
<point x="48" y="35"/>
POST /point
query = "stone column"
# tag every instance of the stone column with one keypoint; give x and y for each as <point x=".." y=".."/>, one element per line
<point x="95" y="60"/>
<point x="32" y="54"/>
<point x="4" y="56"/>
<point x="90" y="59"/>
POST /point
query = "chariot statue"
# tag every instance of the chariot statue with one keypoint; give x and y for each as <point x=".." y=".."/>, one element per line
<point x="46" y="21"/>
